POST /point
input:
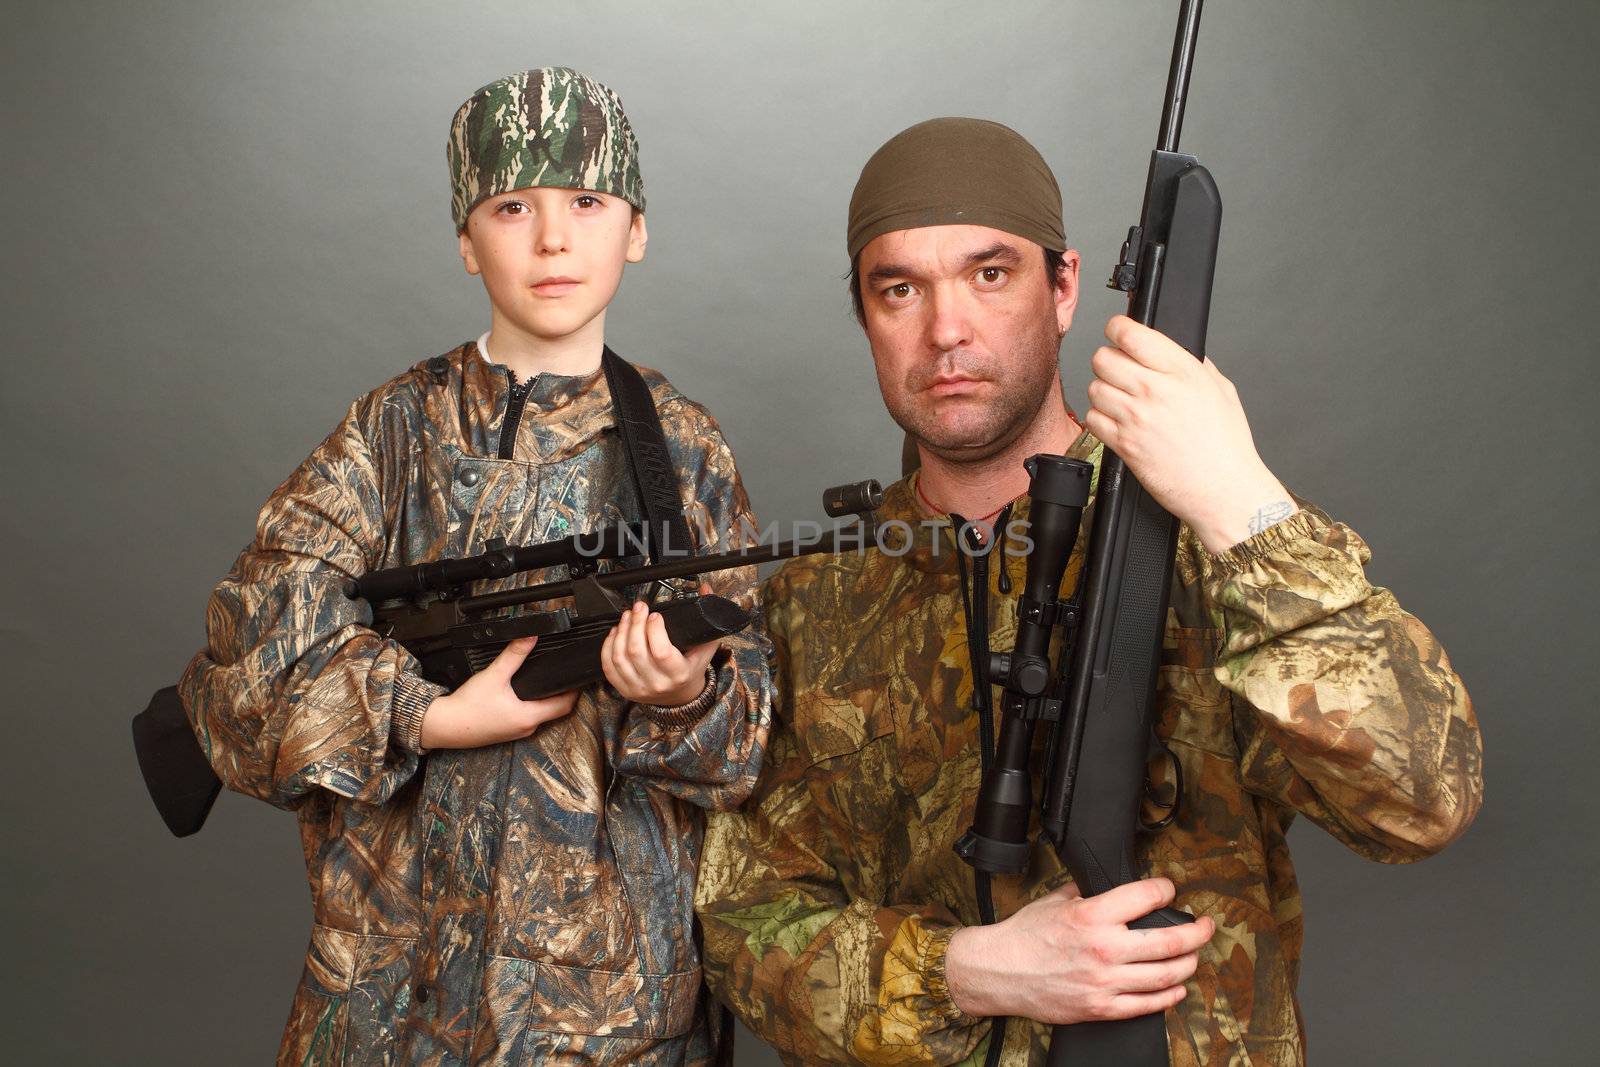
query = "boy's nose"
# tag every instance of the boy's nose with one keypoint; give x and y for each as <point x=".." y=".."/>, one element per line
<point x="550" y="236"/>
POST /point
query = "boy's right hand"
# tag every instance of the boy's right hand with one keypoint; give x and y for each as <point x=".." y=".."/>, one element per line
<point x="485" y="710"/>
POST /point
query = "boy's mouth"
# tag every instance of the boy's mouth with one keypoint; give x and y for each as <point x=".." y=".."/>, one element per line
<point x="556" y="285"/>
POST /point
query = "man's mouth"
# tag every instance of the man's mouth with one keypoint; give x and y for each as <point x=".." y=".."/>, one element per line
<point x="952" y="385"/>
<point x="556" y="285"/>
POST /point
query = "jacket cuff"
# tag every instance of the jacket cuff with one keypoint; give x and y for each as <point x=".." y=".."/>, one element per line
<point x="1230" y="561"/>
<point x="931" y="964"/>
<point x="685" y="714"/>
<point x="1289" y="576"/>
<point x="412" y="695"/>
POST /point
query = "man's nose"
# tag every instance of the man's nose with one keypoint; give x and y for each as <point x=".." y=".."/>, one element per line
<point x="950" y="320"/>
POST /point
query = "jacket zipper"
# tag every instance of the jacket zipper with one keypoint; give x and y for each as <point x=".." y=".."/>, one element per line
<point x="514" y="406"/>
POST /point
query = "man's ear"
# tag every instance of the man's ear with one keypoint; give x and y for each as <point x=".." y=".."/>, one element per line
<point x="638" y="237"/>
<point x="469" y="259"/>
<point x="1066" y="291"/>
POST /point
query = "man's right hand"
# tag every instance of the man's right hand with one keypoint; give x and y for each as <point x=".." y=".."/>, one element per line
<point x="1067" y="959"/>
<point x="485" y="710"/>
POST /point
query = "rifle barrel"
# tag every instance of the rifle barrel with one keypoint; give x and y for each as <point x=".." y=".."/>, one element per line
<point x="677" y="568"/>
<point x="437" y="576"/>
<point x="1178" y="76"/>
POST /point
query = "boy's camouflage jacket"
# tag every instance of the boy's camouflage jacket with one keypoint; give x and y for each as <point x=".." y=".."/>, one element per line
<point x="521" y="903"/>
<point x="1289" y="684"/>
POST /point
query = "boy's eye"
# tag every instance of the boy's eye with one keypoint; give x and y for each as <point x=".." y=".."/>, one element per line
<point x="512" y="207"/>
<point x="587" y="202"/>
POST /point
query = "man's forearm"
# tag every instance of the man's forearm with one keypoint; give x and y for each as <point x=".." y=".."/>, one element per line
<point x="831" y="986"/>
<point x="1241" y="512"/>
<point x="1347" y="708"/>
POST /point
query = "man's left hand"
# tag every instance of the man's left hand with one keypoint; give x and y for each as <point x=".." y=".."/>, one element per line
<point x="1178" y="425"/>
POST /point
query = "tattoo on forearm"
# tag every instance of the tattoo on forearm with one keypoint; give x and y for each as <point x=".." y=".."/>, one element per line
<point x="1273" y="513"/>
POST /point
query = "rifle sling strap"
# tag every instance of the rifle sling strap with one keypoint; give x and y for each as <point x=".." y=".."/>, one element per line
<point x="648" y="458"/>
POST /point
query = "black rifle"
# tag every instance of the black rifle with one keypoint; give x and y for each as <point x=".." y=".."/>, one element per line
<point x="1099" y="704"/>
<point x="426" y="607"/>
<point x="429" y="609"/>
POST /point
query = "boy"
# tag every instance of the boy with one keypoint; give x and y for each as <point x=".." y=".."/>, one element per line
<point x="522" y="895"/>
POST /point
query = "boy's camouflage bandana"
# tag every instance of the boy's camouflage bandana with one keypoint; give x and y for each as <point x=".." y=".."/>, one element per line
<point x="547" y="127"/>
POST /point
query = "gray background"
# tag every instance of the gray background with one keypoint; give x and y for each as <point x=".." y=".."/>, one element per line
<point x="225" y="220"/>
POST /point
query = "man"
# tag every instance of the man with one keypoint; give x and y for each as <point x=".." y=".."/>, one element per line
<point x="838" y="921"/>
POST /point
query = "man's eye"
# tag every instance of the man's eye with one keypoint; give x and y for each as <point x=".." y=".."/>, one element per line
<point x="898" y="292"/>
<point x="992" y="275"/>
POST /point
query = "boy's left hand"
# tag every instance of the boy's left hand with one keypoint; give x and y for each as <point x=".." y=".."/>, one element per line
<point x="642" y="663"/>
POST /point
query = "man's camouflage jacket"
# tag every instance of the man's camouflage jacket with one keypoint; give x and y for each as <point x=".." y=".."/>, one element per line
<point x="1289" y="685"/>
<point x="528" y="902"/>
